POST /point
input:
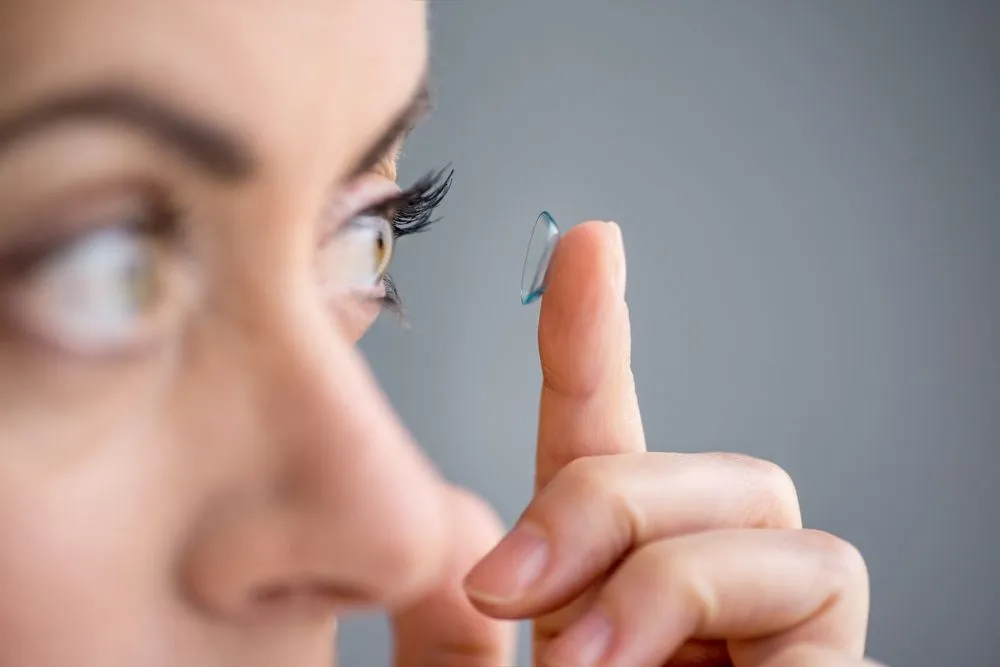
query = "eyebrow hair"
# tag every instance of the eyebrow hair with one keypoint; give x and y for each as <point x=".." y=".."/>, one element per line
<point x="397" y="131"/>
<point x="212" y="147"/>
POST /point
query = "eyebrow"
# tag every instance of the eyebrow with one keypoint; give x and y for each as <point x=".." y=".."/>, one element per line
<point x="212" y="147"/>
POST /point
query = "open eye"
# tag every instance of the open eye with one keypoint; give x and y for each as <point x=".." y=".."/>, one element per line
<point x="357" y="239"/>
<point x="367" y="245"/>
<point x="98" y="293"/>
<point x="354" y="259"/>
<point x="362" y="226"/>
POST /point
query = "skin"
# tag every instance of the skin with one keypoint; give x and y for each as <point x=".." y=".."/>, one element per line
<point x="224" y="481"/>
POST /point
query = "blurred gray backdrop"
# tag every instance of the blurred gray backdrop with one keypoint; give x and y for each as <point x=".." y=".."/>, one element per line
<point x="810" y="197"/>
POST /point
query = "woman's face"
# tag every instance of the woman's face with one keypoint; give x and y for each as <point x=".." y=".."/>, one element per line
<point x="196" y="466"/>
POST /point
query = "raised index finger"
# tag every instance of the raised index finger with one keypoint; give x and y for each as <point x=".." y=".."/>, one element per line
<point x="588" y="404"/>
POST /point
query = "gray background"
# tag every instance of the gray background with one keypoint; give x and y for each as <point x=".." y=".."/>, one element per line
<point x="810" y="196"/>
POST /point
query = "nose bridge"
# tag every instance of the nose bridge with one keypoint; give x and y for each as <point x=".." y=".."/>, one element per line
<point x="346" y="501"/>
<point x="337" y="436"/>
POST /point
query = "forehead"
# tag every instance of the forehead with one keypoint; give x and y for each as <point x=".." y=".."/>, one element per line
<point x="299" y="78"/>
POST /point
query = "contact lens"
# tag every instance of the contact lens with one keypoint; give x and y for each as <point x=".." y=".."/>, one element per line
<point x="541" y="245"/>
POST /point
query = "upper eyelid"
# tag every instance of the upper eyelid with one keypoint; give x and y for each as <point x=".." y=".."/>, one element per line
<point x="431" y="183"/>
<point x="386" y="206"/>
<point x="140" y="203"/>
<point x="408" y="211"/>
<point x="365" y="195"/>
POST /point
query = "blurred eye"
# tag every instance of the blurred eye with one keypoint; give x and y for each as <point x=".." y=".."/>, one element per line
<point x="97" y="294"/>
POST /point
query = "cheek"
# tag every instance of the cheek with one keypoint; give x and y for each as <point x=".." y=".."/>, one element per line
<point x="89" y="508"/>
<point x="79" y="555"/>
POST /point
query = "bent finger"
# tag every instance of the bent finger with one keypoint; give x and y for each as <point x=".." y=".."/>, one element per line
<point x="597" y="509"/>
<point x="763" y="591"/>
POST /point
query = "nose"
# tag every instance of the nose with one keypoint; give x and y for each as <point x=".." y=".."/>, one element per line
<point x="315" y="498"/>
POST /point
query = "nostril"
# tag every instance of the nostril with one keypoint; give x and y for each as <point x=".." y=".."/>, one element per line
<point x="311" y="596"/>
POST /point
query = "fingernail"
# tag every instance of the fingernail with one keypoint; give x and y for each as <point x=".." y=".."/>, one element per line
<point x="511" y="568"/>
<point x="620" y="270"/>
<point x="584" y="644"/>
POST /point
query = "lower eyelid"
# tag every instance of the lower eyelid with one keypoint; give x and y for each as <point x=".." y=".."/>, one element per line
<point x="372" y="293"/>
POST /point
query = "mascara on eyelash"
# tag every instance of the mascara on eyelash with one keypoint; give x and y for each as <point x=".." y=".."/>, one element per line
<point x="411" y="211"/>
<point x="390" y="301"/>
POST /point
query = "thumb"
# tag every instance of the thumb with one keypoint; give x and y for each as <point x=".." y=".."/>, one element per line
<point x="443" y="629"/>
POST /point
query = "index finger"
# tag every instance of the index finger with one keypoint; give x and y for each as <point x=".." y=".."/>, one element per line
<point x="588" y="404"/>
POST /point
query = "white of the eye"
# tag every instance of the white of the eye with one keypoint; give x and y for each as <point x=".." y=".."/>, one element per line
<point x="84" y="294"/>
<point x="361" y="263"/>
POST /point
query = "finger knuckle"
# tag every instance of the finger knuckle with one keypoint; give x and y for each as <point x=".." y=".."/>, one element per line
<point x="781" y="496"/>
<point x="840" y="557"/>
<point x="673" y="573"/>
<point x="584" y="477"/>
<point x="591" y="494"/>
<point x="596" y="481"/>
<point x="775" y="499"/>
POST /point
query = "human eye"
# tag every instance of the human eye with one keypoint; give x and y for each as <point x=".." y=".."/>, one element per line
<point x="368" y="221"/>
<point x="103" y="290"/>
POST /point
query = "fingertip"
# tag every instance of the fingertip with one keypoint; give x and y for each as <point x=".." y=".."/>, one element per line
<point x="584" y="296"/>
<point x="588" y="267"/>
<point x="584" y="251"/>
<point x="506" y="576"/>
<point x="618" y="251"/>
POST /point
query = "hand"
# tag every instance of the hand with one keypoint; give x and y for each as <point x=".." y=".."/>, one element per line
<point x="638" y="559"/>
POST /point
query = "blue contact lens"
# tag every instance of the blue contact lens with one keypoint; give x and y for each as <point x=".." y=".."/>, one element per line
<point x="534" y="275"/>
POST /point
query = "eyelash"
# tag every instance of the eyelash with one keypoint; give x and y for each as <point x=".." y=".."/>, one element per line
<point x="411" y="212"/>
